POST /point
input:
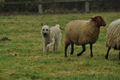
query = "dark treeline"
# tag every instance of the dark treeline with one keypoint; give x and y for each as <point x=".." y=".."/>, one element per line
<point x="95" y="6"/>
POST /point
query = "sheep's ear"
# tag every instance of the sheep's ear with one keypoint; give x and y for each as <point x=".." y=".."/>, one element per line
<point x="94" y="18"/>
<point x="42" y="24"/>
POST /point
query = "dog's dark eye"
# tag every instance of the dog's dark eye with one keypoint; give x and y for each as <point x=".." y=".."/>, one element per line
<point x="46" y="29"/>
<point x="43" y="29"/>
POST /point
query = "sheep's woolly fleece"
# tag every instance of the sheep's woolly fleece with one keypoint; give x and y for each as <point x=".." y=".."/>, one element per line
<point x="86" y="34"/>
<point x="113" y="35"/>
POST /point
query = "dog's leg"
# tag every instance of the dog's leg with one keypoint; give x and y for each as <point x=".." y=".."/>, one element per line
<point x="44" y="48"/>
<point x="50" y="44"/>
<point x="47" y="49"/>
<point x="57" y="43"/>
<point x="54" y="47"/>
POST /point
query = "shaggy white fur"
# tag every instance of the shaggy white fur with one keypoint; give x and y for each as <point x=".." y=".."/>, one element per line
<point x="51" y="37"/>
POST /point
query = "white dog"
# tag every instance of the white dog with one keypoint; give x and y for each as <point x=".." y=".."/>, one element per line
<point x="51" y="37"/>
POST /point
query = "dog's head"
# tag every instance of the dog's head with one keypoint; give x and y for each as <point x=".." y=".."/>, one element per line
<point x="45" y="30"/>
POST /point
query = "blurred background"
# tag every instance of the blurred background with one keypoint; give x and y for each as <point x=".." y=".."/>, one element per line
<point x="62" y="6"/>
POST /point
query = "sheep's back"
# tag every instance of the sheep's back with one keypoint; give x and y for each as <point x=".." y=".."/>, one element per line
<point x="113" y="35"/>
<point x="82" y="32"/>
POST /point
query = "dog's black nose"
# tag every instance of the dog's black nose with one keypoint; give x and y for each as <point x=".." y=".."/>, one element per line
<point x="44" y="34"/>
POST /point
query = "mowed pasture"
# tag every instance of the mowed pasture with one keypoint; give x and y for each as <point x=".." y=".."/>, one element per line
<point x="22" y="57"/>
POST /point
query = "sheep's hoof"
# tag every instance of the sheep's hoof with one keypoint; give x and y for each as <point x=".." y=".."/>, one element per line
<point x="91" y="56"/>
<point x="65" y="55"/>
<point x="71" y="53"/>
<point x="79" y="54"/>
<point x="106" y="57"/>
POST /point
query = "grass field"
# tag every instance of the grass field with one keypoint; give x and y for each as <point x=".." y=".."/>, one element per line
<point x="22" y="58"/>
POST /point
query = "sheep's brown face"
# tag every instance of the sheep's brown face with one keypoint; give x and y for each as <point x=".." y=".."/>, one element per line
<point x="99" y="20"/>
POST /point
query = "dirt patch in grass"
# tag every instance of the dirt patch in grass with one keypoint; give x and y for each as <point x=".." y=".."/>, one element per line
<point x="5" y="39"/>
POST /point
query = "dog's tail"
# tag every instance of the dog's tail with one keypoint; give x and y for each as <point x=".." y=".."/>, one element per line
<point x="57" y="25"/>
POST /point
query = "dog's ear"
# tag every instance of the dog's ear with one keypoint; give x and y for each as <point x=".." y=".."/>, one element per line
<point x="47" y="24"/>
<point x="42" y="24"/>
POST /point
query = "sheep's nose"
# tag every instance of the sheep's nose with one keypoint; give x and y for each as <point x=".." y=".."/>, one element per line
<point x="104" y="24"/>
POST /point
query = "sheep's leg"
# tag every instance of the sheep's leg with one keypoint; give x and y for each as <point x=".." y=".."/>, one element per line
<point x="91" y="53"/>
<point x="66" y="46"/>
<point x="72" y="48"/>
<point x="106" y="57"/>
<point x="83" y="50"/>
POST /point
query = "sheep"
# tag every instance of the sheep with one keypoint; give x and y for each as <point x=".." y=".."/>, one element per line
<point x="82" y="32"/>
<point x="113" y="37"/>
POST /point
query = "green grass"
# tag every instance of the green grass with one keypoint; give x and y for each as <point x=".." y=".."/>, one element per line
<point x="23" y="57"/>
